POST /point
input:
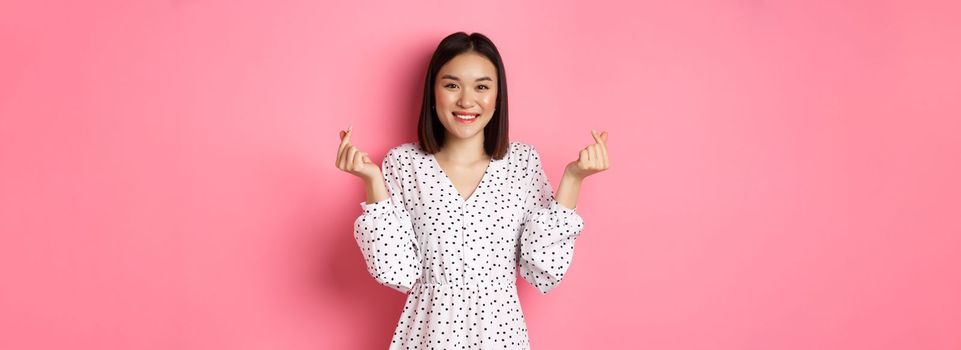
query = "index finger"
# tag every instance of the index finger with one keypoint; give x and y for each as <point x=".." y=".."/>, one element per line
<point x="597" y="137"/>
<point x="344" y="141"/>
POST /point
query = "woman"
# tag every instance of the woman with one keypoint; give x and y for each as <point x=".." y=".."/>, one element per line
<point x="451" y="217"/>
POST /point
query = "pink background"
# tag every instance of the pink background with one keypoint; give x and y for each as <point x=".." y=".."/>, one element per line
<point x="784" y="173"/>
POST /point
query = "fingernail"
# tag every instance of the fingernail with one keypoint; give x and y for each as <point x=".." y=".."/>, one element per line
<point x="593" y="131"/>
<point x="349" y="127"/>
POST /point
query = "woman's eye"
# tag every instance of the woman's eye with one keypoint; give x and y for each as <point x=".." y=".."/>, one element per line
<point x="450" y="85"/>
<point x="483" y="87"/>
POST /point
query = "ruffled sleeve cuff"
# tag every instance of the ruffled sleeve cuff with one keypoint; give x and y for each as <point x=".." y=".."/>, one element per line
<point x="376" y="208"/>
<point x="565" y="213"/>
<point x="558" y="215"/>
<point x="560" y="208"/>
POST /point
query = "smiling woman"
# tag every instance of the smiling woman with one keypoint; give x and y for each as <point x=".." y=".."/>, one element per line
<point x="465" y="76"/>
<point x="451" y="219"/>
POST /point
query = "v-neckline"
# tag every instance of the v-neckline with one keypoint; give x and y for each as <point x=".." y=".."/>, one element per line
<point x="450" y="183"/>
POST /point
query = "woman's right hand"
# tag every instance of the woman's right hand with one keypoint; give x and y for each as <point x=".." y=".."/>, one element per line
<point x="353" y="160"/>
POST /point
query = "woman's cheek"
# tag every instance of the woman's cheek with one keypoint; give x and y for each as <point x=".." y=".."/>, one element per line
<point x="489" y="101"/>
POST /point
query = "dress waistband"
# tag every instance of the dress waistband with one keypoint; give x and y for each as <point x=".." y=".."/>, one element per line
<point x="467" y="284"/>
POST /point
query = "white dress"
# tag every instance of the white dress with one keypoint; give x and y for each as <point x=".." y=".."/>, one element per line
<point x="457" y="259"/>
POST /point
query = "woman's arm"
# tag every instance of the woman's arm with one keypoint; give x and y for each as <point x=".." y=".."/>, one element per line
<point x="569" y="189"/>
<point x="384" y="231"/>
<point x="376" y="191"/>
<point x="548" y="229"/>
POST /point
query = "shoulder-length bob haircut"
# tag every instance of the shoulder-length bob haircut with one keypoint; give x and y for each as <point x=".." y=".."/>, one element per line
<point x="430" y="132"/>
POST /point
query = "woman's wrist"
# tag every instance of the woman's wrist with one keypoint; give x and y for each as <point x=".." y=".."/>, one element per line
<point x="569" y="190"/>
<point x="373" y="177"/>
<point x="570" y="174"/>
<point x="375" y="189"/>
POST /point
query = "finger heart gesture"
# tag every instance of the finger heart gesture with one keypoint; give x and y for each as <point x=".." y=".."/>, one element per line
<point x="352" y="160"/>
<point x="592" y="159"/>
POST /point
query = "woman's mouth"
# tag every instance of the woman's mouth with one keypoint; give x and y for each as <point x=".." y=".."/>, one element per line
<point x="465" y="118"/>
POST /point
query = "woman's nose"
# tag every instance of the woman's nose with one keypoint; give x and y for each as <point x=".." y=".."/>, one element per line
<point x="465" y="100"/>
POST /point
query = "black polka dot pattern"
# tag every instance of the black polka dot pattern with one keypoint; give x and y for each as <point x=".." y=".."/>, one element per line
<point x="458" y="258"/>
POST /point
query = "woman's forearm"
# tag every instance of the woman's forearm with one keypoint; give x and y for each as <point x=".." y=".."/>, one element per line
<point x="568" y="191"/>
<point x="375" y="189"/>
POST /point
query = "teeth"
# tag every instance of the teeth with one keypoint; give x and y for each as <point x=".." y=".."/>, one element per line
<point x="465" y="117"/>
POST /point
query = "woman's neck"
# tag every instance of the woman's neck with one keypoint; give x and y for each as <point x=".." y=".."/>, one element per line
<point x="463" y="151"/>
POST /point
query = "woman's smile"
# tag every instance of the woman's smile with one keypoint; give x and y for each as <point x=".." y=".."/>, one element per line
<point x="466" y="118"/>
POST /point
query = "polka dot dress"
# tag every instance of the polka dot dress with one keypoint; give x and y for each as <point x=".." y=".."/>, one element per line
<point x="458" y="259"/>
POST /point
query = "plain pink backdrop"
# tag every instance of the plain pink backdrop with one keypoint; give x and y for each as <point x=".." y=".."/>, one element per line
<point x="784" y="173"/>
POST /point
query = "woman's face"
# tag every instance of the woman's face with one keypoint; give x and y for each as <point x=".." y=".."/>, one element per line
<point x="466" y="94"/>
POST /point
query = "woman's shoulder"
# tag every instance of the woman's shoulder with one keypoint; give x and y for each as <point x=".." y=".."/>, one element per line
<point x="405" y="147"/>
<point x="521" y="150"/>
<point x="404" y="151"/>
<point x="520" y="146"/>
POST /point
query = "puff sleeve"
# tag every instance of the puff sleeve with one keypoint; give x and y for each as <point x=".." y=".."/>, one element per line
<point x="548" y="230"/>
<point x="384" y="233"/>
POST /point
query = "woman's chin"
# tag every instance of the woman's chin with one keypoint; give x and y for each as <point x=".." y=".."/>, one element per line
<point x="467" y="134"/>
<point x="465" y="131"/>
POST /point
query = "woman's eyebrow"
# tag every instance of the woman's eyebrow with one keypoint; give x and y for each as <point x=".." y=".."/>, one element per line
<point x="451" y="77"/>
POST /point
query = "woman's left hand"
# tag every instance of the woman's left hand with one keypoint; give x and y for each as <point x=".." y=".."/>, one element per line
<point x="592" y="159"/>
